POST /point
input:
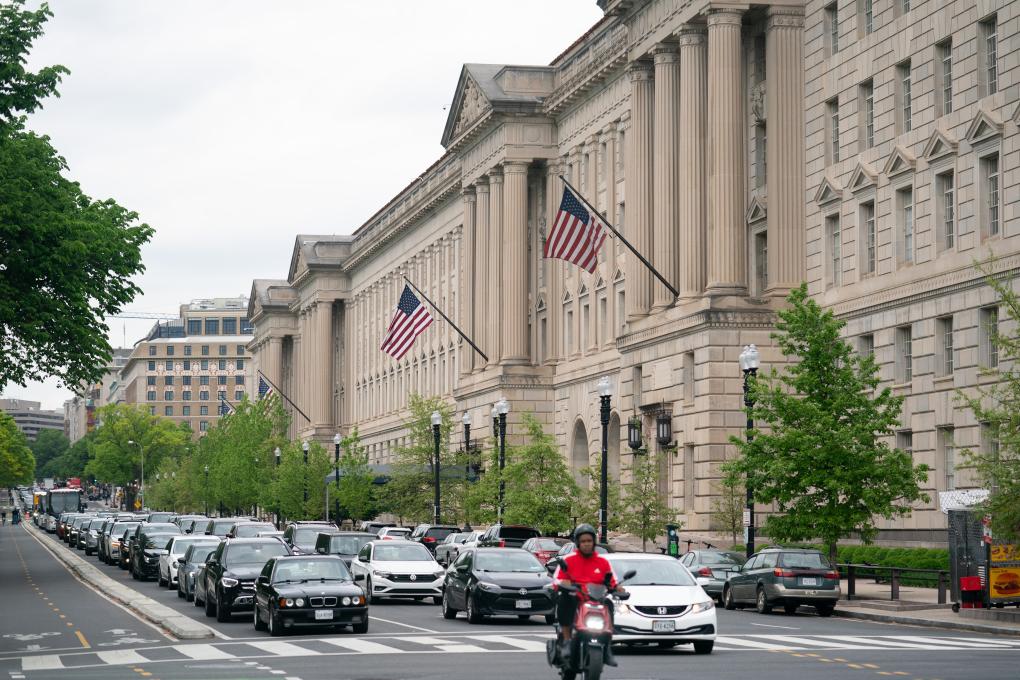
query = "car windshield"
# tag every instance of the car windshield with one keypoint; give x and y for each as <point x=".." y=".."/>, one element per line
<point x="665" y="572"/>
<point x="304" y="537"/>
<point x="546" y="544"/>
<point x="517" y="532"/>
<point x="439" y="533"/>
<point x="160" y="517"/>
<point x="200" y="556"/>
<point x="251" y="530"/>
<point x="394" y="531"/>
<point x="402" y="553"/>
<point x="348" y="545"/>
<point x="118" y="529"/>
<point x="297" y="571"/>
<point x="221" y="528"/>
<point x="718" y="558"/>
<point x="253" y="553"/>
<point x="181" y="546"/>
<point x="156" y="540"/>
<point x="803" y="561"/>
<point x="508" y="561"/>
<point x="163" y="527"/>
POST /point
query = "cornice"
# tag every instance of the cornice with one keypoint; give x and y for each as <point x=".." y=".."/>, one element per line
<point x="711" y="318"/>
<point x="588" y="69"/>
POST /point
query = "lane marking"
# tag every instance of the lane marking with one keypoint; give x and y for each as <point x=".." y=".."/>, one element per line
<point x="527" y="645"/>
<point x="363" y="646"/>
<point x="406" y="625"/>
<point x="202" y="652"/>
<point x="769" y="625"/>
<point x="118" y="657"/>
<point x="44" y="662"/>
<point x="446" y="645"/>
<point x="282" y="648"/>
<point x="885" y="642"/>
<point x="810" y="643"/>
<point x="81" y="638"/>
<point x="739" y="642"/>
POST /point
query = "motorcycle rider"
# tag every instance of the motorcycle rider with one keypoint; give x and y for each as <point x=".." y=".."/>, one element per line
<point x="583" y="566"/>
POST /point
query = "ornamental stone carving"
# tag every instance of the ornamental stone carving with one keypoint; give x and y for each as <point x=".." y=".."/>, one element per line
<point x="758" y="102"/>
<point x="472" y="105"/>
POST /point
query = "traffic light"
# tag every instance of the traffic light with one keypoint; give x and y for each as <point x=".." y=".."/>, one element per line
<point x="672" y="540"/>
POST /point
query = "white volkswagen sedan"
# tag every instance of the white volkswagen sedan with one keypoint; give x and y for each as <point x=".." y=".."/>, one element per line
<point x="667" y="606"/>
<point x="175" y="549"/>
<point x="398" y="569"/>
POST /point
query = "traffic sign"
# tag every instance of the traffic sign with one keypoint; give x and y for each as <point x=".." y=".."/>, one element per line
<point x="747" y="518"/>
<point x="138" y="504"/>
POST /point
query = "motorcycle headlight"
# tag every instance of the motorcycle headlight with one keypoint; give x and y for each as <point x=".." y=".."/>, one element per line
<point x="594" y="622"/>
<point x="300" y="602"/>
<point x="491" y="587"/>
<point x="228" y="582"/>
<point x="702" y="606"/>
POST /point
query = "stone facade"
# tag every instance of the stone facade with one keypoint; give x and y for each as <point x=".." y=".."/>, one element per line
<point x="658" y="115"/>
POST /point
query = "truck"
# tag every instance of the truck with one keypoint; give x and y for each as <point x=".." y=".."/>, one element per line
<point x="47" y="483"/>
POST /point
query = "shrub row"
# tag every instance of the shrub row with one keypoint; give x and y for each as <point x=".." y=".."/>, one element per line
<point x="907" y="558"/>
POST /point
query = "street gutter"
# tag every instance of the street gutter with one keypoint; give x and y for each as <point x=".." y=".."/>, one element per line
<point x="928" y="623"/>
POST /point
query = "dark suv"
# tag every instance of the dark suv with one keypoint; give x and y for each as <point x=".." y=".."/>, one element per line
<point x="431" y="535"/>
<point x="507" y="536"/>
<point x="230" y="574"/>
<point x="784" y="577"/>
<point x="146" y="547"/>
<point x="300" y="537"/>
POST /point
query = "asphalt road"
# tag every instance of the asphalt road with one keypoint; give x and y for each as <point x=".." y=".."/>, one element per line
<point x="412" y="640"/>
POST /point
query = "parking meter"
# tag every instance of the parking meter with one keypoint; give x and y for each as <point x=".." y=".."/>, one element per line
<point x="672" y="540"/>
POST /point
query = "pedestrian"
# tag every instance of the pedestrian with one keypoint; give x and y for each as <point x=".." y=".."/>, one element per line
<point x="15" y="516"/>
<point x="3" y="516"/>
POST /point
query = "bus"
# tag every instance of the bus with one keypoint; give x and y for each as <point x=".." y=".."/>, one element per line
<point x="58" y="501"/>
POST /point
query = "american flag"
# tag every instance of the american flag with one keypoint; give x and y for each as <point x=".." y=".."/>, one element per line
<point x="577" y="233"/>
<point x="410" y="320"/>
<point x="265" y="389"/>
<point x="225" y="407"/>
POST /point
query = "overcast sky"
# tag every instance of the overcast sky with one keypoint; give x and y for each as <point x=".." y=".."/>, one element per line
<point x="231" y="126"/>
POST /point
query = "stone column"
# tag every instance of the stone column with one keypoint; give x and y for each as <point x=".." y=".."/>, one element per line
<point x="496" y="254"/>
<point x="693" y="171"/>
<point x="322" y="364"/>
<point x="665" y="209"/>
<point x="481" y="285"/>
<point x="467" y="277"/>
<point x="514" y="349"/>
<point x="554" y="268"/>
<point x="639" y="189"/>
<point x="610" y="133"/>
<point x="727" y="239"/>
<point x="784" y="113"/>
<point x="273" y="366"/>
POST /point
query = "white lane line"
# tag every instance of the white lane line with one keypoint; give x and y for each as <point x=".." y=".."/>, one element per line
<point x="445" y="645"/>
<point x="990" y="641"/>
<point x="769" y="625"/>
<point x="797" y="640"/>
<point x="741" y="642"/>
<point x="45" y="662"/>
<point x="202" y="652"/>
<point x="886" y="642"/>
<point x="405" y="625"/>
<point x="282" y="648"/>
<point x="121" y="656"/>
<point x="969" y="643"/>
<point x="527" y="645"/>
<point x="362" y="646"/>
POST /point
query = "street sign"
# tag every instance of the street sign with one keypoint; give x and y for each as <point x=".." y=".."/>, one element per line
<point x="747" y="518"/>
<point x="138" y="504"/>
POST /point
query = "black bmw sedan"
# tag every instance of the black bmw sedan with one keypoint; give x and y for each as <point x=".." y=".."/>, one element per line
<point x="301" y="591"/>
<point x="498" y="581"/>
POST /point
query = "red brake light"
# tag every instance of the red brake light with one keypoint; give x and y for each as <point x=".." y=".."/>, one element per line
<point x="502" y="543"/>
<point x="782" y="572"/>
<point x="705" y="571"/>
<point x="428" y="539"/>
<point x="832" y="574"/>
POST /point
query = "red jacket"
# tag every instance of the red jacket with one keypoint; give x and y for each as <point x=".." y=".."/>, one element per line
<point x="581" y="569"/>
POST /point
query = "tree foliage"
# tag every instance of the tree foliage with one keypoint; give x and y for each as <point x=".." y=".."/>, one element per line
<point x="66" y="260"/>
<point x="17" y="464"/>
<point x="48" y="445"/>
<point x="116" y="460"/>
<point x="728" y="503"/>
<point x="357" y="490"/>
<point x="645" y="512"/>
<point x="822" y="458"/>
<point x="294" y="477"/>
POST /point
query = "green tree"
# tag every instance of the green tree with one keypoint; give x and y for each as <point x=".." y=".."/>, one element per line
<point x="645" y="513"/>
<point x="540" y="491"/>
<point x="356" y="491"/>
<point x="17" y="464"/>
<point x="294" y="477"/>
<point x="116" y="460"/>
<point x="728" y="503"/>
<point x="48" y="444"/>
<point x="66" y="260"/>
<point x="997" y="407"/>
<point x="589" y="501"/>
<point x="72" y="462"/>
<point x="823" y="459"/>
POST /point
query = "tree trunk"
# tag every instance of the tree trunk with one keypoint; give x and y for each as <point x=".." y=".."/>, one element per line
<point x="832" y="554"/>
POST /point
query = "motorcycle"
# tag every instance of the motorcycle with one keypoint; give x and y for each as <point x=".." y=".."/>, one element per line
<point x="593" y="630"/>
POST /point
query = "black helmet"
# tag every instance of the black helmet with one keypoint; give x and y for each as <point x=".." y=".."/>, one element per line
<point x="584" y="529"/>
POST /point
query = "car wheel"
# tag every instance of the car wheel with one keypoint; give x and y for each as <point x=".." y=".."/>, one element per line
<point x="257" y="620"/>
<point x="473" y="616"/>
<point x="727" y="596"/>
<point x="180" y="593"/>
<point x="361" y="628"/>
<point x="790" y="608"/>
<point x="448" y="611"/>
<point x="762" y="602"/>
<point x="194" y="598"/>
<point x="275" y="627"/>
<point x="825" y="609"/>
<point x="210" y="607"/>
<point x="438" y="599"/>
<point x="372" y="599"/>
<point x="222" y="609"/>
<point x="160" y="581"/>
<point x="703" y="646"/>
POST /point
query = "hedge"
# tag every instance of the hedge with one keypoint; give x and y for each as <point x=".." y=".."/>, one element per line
<point x="907" y="558"/>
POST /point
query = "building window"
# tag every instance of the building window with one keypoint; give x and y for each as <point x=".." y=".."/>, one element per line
<point x="246" y="326"/>
<point x="204" y="365"/>
<point x="221" y="395"/>
<point x="832" y="28"/>
<point x="221" y="380"/>
<point x="152" y="410"/>
<point x="203" y="410"/>
<point x="944" y="76"/>
<point x="168" y="380"/>
<point x="187" y="350"/>
<point x="168" y="365"/>
<point x="203" y="426"/>
<point x="239" y="364"/>
<point x="168" y="395"/>
<point x="988" y="53"/>
<point x="760" y="159"/>
<point x="905" y="208"/>
<point x="187" y="364"/>
<point x="205" y="350"/>
<point x="904" y="354"/>
<point x="868" y="237"/>
<point x="150" y="380"/>
<point x="944" y="346"/>
<point x="761" y="261"/>
<point x="904" y="105"/>
<point x="194" y="326"/>
<point x="186" y="380"/>
<point x="223" y="350"/>
<point x="168" y="410"/>
<point x="621" y="310"/>
<point x="901" y="7"/>
<point x="585" y="325"/>
<point x="905" y="442"/>
<point x="212" y="326"/>
<point x="865" y="17"/>
<point x="568" y="332"/>
<point x="835" y="248"/>
<point x="988" y="332"/>
<point x="229" y="325"/>
<point x="185" y="411"/>
<point x="990" y="193"/>
<point x="203" y="395"/>
<point x="203" y="380"/>
<point x="169" y="350"/>
<point x="867" y="109"/>
<point x="238" y="395"/>
<point x="688" y="367"/>
<point x="186" y="395"/>
<point x="152" y="350"/>
<point x="947" y="454"/>
<point x="222" y="364"/>
<point x="238" y="379"/>
<point x="832" y="131"/>
<point x="150" y="396"/>
<point x="867" y="345"/>
<point x="946" y="209"/>
<point x="152" y="365"/>
<point x="240" y="350"/>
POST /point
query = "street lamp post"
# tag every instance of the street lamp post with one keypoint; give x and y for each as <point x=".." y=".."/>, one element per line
<point x="466" y="420"/>
<point x="141" y="489"/>
<point x="278" y="453"/>
<point x="206" y="490"/>
<point x="304" y="447"/>
<point x="749" y="366"/>
<point x="605" y="394"/>
<point x="502" y="408"/>
<point x="336" y="478"/>
<point x="437" y="420"/>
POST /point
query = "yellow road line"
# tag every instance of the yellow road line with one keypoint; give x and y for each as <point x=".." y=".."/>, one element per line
<point x="82" y="640"/>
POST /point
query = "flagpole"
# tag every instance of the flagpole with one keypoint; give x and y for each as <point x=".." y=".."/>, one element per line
<point x="459" y="331"/>
<point x="280" y="392"/>
<point x="625" y="242"/>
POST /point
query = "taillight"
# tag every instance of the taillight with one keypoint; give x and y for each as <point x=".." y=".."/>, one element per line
<point x="785" y="573"/>
<point x="832" y="574"/>
<point x="502" y="543"/>
<point x="705" y="571"/>
<point x="428" y="539"/>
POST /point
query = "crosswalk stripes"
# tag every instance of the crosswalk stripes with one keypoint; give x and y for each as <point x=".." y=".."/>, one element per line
<point x="460" y="643"/>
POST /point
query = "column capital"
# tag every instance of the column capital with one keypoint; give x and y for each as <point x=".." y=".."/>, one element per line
<point x="553" y="167"/>
<point x="692" y="36"/>
<point x="517" y="167"/>
<point x="666" y="53"/>
<point x="469" y="193"/>
<point x="496" y="175"/>
<point x="482" y="185"/>
<point x="785" y="17"/>
<point x="720" y="16"/>
<point x="640" y="70"/>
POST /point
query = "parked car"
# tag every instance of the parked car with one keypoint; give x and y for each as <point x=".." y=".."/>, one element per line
<point x="667" y="604"/>
<point x="193" y="560"/>
<point x="126" y="539"/>
<point x="713" y="565"/>
<point x="498" y="582"/>
<point x="159" y="517"/>
<point x="372" y="527"/>
<point x="249" y="529"/>
<point x="429" y="535"/>
<point x="92" y="536"/>
<point x="187" y="523"/>
<point x="343" y="544"/>
<point x="544" y="549"/>
<point x="148" y="546"/>
<point x="220" y="526"/>
<point x="82" y="531"/>
<point x="170" y="561"/>
<point x="446" y="551"/>
<point x="112" y="539"/>
<point x="230" y="572"/>
<point x="74" y="528"/>
<point x="507" y="536"/>
<point x="270" y="534"/>
<point x="300" y="537"/>
<point x="398" y="569"/>
<point x="301" y="591"/>
<point x="394" y="534"/>
<point x="783" y="577"/>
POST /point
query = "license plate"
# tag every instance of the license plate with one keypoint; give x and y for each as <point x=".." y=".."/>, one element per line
<point x="663" y="626"/>
<point x="524" y="604"/>
<point x="809" y="581"/>
<point x="324" y="615"/>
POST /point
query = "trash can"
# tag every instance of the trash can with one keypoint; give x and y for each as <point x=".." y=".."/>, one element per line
<point x="971" y="592"/>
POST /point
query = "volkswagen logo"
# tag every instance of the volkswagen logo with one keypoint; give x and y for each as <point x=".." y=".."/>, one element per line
<point x="662" y="611"/>
<point x="523" y="591"/>
<point x="414" y="577"/>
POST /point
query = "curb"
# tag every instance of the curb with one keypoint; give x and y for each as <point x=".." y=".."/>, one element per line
<point x="927" y="623"/>
<point x="179" y="625"/>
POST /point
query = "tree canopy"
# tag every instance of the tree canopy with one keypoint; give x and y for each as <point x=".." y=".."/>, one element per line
<point x="48" y="445"/>
<point x="17" y="464"/>
<point x="116" y="459"/>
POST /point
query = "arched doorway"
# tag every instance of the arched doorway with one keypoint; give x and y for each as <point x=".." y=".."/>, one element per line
<point x="579" y="454"/>
<point x="614" y="447"/>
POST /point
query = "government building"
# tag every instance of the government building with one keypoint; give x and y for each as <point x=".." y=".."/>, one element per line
<point x="868" y="147"/>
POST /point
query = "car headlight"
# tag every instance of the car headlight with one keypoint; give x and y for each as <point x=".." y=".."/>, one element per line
<point x="381" y="574"/>
<point x="491" y="587"/>
<point x="286" y="602"/>
<point x="175" y="564"/>
<point x="594" y="622"/>
<point x="227" y="582"/>
<point x="623" y="608"/>
<point x="438" y="574"/>
<point x="300" y="602"/>
<point x="702" y="606"/>
<point x="346" y="601"/>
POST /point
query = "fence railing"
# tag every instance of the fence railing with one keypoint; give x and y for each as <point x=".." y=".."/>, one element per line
<point x="852" y="571"/>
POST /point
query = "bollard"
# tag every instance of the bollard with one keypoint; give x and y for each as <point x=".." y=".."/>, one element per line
<point x="942" y="587"/>
<point x="851" y="585"/>
<point x="895" y="584"/>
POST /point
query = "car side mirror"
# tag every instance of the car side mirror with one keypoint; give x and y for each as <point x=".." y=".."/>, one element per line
<point x="629" y="574"/>
<point x="164" y="552"/>
<point x="264" y="580"/>
<point x="703" y="580"/>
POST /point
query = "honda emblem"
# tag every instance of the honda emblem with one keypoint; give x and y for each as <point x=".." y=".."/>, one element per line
<point x="662" y="611"/>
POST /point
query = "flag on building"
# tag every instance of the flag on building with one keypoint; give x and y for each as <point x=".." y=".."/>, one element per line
<point x="409" y="321"/>
<point x="265" y="389"/>
<point x="577" y="233"/>
<point x="225" y="407"/>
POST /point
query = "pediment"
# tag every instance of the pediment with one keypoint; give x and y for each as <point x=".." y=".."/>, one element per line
<point x="863" y="177"/>
<point x="582" y="291"/>
<point x="566" y="297"/>
<point x="618" y="276"/>
<point x="541" y="303"/>
<point x="469" y="105"/>
<point x="938" y="145"/>
<point x="756" y="211"/>
<point x="828" y="191"/>
<point x="600" y="283"/>
<point x="900" y="161"/>
<point x="984" y="126"/>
